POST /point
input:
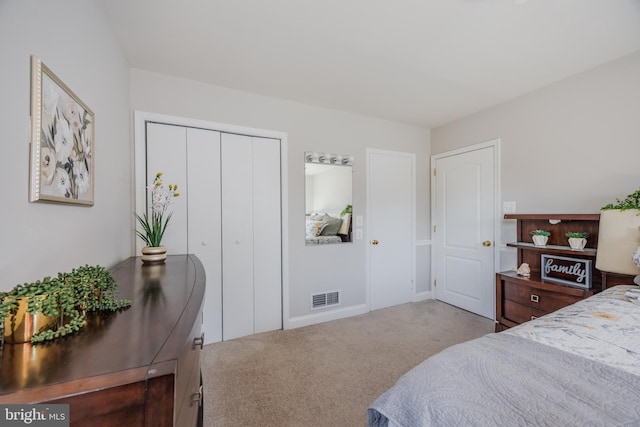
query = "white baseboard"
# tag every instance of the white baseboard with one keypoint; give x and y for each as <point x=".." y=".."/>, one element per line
<point x="326" y="316"/>
<point x="423" y="296"/>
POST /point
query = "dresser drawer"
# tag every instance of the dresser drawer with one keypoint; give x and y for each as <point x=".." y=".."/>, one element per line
<point x="545" y="301"/>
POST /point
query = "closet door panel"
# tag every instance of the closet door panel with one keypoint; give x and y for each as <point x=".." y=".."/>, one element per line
<point x="167" y="153"/>
<point x="204" y="221"/>
<point x="237" y="236"/>
<point x="267" y="265"/>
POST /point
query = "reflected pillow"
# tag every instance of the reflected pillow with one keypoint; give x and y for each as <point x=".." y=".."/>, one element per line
<point x="314" y="228"/>
<point x="332" y="227"/>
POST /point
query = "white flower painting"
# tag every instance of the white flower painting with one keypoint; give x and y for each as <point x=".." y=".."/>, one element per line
<point x="62" y="151"/>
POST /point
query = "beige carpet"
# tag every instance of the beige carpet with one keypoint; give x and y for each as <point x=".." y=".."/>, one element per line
<point x="326" y="374"/>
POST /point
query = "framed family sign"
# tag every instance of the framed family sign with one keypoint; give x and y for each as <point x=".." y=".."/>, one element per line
<point x="62" y="141"/>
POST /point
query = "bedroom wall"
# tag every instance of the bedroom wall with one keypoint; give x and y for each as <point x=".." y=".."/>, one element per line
<point x="570" y="147"/>
<point x="309" y="128"/>
<point x="72" y="38"/>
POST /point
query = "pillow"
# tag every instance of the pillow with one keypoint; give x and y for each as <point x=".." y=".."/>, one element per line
<point x="314" y="228"/>
<point x="332" y="227"/>
<point x="316" y="216"/>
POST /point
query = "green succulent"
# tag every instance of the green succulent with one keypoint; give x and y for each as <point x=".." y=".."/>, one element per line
<point x="577" y="234"/>
<point x="66" y="299"/>
<point x="540" y="233"/>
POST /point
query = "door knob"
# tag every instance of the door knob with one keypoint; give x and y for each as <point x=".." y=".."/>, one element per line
<point x="486" y="243"/>
<point x="374" y="242"/>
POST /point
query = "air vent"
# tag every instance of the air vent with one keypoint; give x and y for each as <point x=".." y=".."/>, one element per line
<point x="325" y="299"/>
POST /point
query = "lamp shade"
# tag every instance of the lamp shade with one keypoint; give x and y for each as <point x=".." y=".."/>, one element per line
<point x="618" y="239"/>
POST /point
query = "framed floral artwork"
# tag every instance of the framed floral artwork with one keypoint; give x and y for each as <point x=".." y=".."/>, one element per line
<point x="62" y="141"/>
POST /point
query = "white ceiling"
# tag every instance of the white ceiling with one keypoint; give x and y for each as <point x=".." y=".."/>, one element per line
<point x="424" y="62"/>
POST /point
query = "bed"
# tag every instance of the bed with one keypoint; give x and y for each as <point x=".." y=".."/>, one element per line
<point x="578" y="366"/>
<point x="327" y="228"/>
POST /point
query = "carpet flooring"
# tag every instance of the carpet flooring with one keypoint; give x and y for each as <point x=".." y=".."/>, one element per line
<point x="326" y="374"/>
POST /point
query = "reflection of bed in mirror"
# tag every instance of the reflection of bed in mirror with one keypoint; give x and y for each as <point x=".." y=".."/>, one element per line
<point x="328" y="198"/>
<point x="327" y="228"/>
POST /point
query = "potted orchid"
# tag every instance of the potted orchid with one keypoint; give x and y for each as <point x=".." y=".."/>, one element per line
<point x="153" y="229"/>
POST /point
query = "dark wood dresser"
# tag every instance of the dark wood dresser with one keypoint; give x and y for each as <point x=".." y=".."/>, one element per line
<point x="519" y="299"/>
<point x="137" y="367"/>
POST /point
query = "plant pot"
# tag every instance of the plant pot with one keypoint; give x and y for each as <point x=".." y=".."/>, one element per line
<point x="19" y="328"/>
<point x="540" y="240"/>
<point x="618" y="238"/>
<point x="152" y="255"/>
<point x="577" y="242"/>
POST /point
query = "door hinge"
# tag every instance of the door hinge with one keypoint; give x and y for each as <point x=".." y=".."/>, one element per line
<point x="434" y="171"/>
<point x="434" y="228"/>
<point x="435" y="283"/>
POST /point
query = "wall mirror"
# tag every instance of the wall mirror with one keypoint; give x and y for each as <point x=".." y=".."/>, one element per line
<point x="328" y="198"/>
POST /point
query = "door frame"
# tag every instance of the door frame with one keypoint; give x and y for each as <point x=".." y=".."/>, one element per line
<point x="140" y="195"/>
<point x="368" y="236"/>
<point x="497" y="231"/>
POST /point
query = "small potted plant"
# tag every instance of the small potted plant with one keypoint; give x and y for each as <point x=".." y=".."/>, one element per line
<point x="540" y="237"/>
<point x="55" y="307"/>
<point x="153" y="229"/>
<point x="577" y="239"/>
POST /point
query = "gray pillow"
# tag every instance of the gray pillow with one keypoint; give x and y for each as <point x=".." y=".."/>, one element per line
<point x="333" y="225"/>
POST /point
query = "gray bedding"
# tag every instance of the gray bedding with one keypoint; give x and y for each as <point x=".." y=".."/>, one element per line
<point x="506" y="380"/>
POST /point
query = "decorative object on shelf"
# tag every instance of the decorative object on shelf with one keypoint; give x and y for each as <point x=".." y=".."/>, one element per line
<point x="565" y="270"/>
<point x="153" y="230"/>
<point x="540" y="237"/>
<point x="55" y="307"/>
<point x="524" y="270"/>
<point x="62" y="141"/>
<point x="577" y="239"/>
<point x="619" y="235"/>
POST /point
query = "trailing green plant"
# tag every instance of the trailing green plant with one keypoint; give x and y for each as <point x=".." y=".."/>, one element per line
<point x="576" y="234"/>
<point x="65" y="299"/>
<point x="346" y="210"/>
<point x="540" y="233"/>
<point x="632" y="201"/>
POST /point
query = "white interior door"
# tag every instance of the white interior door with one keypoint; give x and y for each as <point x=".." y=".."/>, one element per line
<point x="464" y="235"/>
<point x="390" y="209"/>
<point x="267" y="235"/>
<point x="237" y="236"/>
<point x="204" y="221"/>
<point x="251" y="236"/>
<point x="167" y="153"/>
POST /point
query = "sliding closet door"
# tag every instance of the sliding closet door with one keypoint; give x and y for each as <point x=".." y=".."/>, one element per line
<point x="167" y="153"/>
<point x="251" y="235"/>
<point x="204" y="221"/>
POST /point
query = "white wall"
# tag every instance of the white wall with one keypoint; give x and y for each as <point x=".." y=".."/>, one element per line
<point x="312" y="269"/>
<point x="570" y="147"/>
<point x="72" y="38"/>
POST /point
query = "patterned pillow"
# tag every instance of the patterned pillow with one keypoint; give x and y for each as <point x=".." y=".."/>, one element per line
<point x="314" y="228"/>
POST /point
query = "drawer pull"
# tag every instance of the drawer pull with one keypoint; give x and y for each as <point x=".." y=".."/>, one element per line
<point x="534" y="317"/>
<point x="535" y="298"/>
<point x="199" y="341"/>
<point x="197" y="397"/>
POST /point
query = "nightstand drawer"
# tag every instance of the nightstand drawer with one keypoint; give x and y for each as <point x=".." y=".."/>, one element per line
<point x="519" y="313"/>
<point x="539" y="299"/>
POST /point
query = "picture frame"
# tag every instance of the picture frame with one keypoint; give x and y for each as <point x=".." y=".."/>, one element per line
<point x="567" y="271"/>
<point x="62" y="162"/>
